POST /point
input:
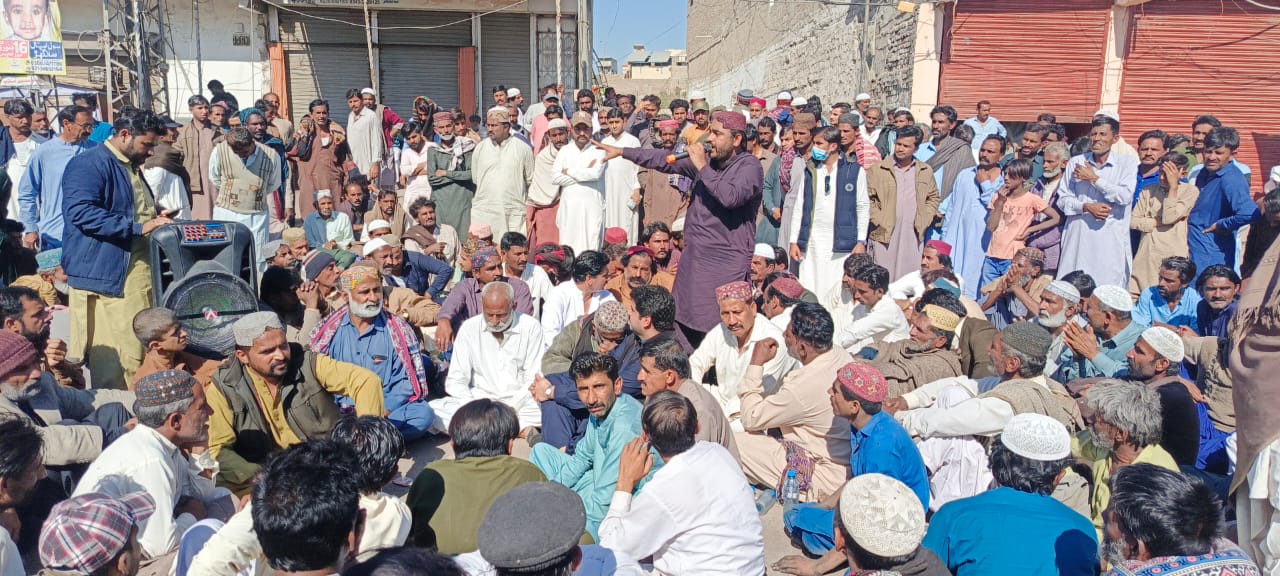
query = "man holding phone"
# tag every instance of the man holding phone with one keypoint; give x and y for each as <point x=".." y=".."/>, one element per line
<point x="109" y="213"/>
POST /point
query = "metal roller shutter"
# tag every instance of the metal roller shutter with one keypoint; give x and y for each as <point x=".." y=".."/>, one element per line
<point x="326" y="71"/>
<point x="504" y="54"/>
<point x="409" y="72"/>
<point x="424" y="28"/>
<point x="1191" y="58"/>
<point x="324" y="58"/>
<point x="995" y="50"/>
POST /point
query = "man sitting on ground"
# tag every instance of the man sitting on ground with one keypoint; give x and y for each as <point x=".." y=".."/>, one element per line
<point x="936" y="255"/>
<point x="1100" y="348"/>
<point x="160" y="332"/>
<point x="877" y="318"/>
<point x="592" y="470"/>
<point x="699" y="496"/>
<point x="450" y="497"/>
<point x="173" y="420"/>
<point x="926" y="356"/>
<point x="495" y="356"/>
<point x="96" y="534"/>
<point x="464" y="298"/>
<point x="364" y="334"/>
<point x="273" y="395"/>
<point x="665" y="366"/>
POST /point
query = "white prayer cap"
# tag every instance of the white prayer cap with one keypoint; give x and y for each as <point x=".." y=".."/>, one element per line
<point x="1065" y="290"/>
<point x="557" y="123"/>
<point x="678" y="225"/>
<point x="376" y="225"/>
<point x="1166" y="343"/>
<point x="253" y="326"/>
<point x="784" y="95"/>
<point x="1275" y="174"/>
<point x="269" y="251"/>
<point x="1037" y="437"/>
<point x="1108" y="113"/>
<point x="882" y="515"/>
<point x="798" y="102"/>
<point x="373" y="245"/>
<point x="1114" y="297"/>
<point x="324" y="194"/>
<point x="513" y="92"/>
<point x="697" y="95"/>
<point x="369" y="91"/>
<point x="764" y="251"/>
<point x="861" y="96"/>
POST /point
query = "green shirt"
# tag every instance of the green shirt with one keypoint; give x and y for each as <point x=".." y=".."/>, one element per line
<point x="450" y="498"/>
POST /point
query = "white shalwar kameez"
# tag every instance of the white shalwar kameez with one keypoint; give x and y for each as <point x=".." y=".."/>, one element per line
<point x="580" y="173"/>
<point x="822" y="269"/>
<point x="619" y="182"/>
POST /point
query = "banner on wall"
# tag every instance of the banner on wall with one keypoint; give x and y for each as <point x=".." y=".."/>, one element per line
<point x="31" y="38"/>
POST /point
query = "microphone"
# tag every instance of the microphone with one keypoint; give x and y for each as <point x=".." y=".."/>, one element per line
<point x="672" y="158"/>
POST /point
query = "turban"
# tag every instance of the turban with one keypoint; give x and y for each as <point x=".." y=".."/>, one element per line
<point x="610" y="317"/>
<point x="863" y="381"/>
<point x="1114" y="297"/>
<point x="668" y="125"/>
<point x="164" y="387"/>
<point x="356" y="275"/>
<point x="482" y="256"/>
<point x="739" y="290"/>
<point x="49" y="260"/>
<point x="731" y="120"/>
<point x="759" y="102"/>
<point x="1036" y="436"/>
<point x="247" y="112"/>
<point x="251" y="327"/>
<point x="442" y="117"/>
<point x="941" y="318"/>
<point x="942" y="247"/>
<point x="1165" y="342"/>
<point x="553" y="257"/>
<point x="788" y="287"/>
<point x="1065" y="290"/>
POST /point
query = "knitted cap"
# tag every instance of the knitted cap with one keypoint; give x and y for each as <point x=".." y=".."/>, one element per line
<point x="739" y="290"/>
<point x="49" y="260"/>
<point x="15" y="350"/>
<point x="1114" y="297"/>
<point x="1027" y="338"/>
<point x="1037" y="437"/>
<point x="863" y="380"/>
<point x="291" y="235"/>
<point x="251" y="327"/>
<point x="764" y="251"/>
<point x="163" y="387"/>
<point x="882" y="515"/>
<point x="315" y="263"/>
<point x="376" y="225"/>
<point x="610" y="317"/>
<point x="941" y="318"/>
<point x="1065" y="290"/>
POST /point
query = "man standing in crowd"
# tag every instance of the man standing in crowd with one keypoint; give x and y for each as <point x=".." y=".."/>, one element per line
<point x="365" y="140"/>
<point x="449" y="167"/>
<point x="196" y="144"/>
<point x="984" y="124"/>
<point x="951" y="155"/>
<point x="40" y="192"/>
<point x="106" y="252"/>
<point x="621" y="185"/>
<point x="1224" y="204"/>
<point x="18" y="145"/>
<point x="390" y="124"/>
<point x="664" y="194"/>
<point x="721" y="218"/>
<point x="502" y="169"/>
<point x="1096" y="203"/>
<point x="904" y="202"/>
<point x="544" y="193"/>
<point x="245" y="174"/>
<point x="579" y="170"/>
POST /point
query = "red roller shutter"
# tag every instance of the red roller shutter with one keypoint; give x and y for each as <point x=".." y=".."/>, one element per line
<point x="1193" y="57"/>
<point x="1025" y="57"/>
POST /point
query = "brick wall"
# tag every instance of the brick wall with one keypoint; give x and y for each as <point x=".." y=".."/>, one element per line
<point x="809" y="49"/>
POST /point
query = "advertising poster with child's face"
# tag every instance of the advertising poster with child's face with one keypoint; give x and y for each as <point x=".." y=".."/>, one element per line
<point x="31" y="38"/>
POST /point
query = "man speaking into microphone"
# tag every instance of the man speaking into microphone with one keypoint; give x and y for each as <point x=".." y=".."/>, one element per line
<point x="720" y="223"/>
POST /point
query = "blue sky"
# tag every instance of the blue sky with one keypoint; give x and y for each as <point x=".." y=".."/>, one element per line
<point x="658" y="24"/>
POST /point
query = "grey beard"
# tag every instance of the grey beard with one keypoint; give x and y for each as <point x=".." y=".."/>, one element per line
<point x="1051" y="174"/>
<point x="14" y="394"/>
<point x="366" y="310"/>
<point x="501" y="326"/>
<point x="1113" y="551"/>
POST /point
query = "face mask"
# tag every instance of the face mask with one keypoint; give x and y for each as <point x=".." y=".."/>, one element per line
<point x="819" y="154"/>
<point x="61" y="287"/>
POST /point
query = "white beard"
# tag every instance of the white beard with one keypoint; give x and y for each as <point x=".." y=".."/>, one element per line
<point x="1053" y="321"/>
<point x="366" y="310"/>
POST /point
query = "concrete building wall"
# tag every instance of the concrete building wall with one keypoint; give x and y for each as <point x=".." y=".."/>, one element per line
<point x="807" y="48"/>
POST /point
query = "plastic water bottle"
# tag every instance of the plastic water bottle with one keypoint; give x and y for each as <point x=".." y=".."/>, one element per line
<point x="765" y="499"/>
<point x="790" y="491"/>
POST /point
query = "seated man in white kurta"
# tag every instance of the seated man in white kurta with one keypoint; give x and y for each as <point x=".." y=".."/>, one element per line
<point x="877" y="317"/>
<point x="495" y="355"/>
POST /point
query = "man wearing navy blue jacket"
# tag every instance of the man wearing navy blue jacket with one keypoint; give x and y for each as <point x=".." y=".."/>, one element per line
<point x="109" y="212"/>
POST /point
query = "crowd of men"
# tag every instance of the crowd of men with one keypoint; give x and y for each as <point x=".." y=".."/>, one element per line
<point x="944" y="348"/>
